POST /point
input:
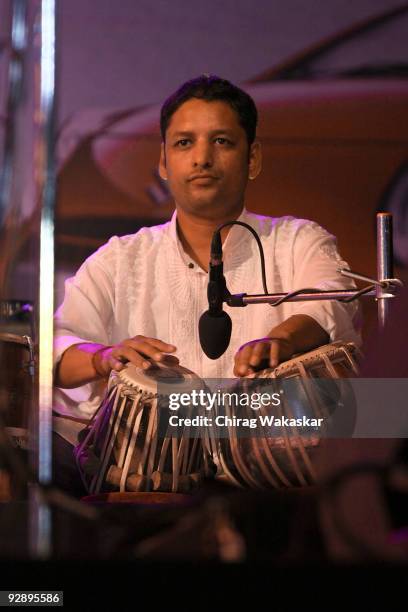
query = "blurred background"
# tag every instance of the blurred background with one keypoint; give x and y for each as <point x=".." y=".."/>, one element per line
<point x="329" y="79"/>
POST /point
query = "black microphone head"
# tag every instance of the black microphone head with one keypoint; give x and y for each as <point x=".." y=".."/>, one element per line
<point x="215" y="333"/>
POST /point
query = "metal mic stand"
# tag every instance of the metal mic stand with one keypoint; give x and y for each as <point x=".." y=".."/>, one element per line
<point x="382" y="289"/>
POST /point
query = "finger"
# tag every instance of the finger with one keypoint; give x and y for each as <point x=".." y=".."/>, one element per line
<point x="260" y="350"/>
<point x="125" y="353"/>
<point x="150" y="347"/>
<point x="274" y="354"/>
<point x="163" y="347"/>
<point x="242" y="358"/>
<point x="144" y="348"/>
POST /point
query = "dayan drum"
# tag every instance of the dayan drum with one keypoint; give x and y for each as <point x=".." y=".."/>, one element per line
<point x="16" y="385"/>
<point x="313" y="394"/>
<point x="129" y="445"/>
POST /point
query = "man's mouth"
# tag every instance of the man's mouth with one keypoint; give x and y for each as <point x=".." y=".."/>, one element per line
<point x="204" y="178"/>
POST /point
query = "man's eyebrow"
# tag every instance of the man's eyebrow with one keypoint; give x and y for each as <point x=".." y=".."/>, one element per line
<point x="181" y="134"/>
<point x="185" y="133"/>
<point x="225" y="131"/>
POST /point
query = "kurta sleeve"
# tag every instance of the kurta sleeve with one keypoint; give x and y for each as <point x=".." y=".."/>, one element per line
<point x="315" y="265"/>
<point x="86" y="312"/>
<point x="85" y="315"/>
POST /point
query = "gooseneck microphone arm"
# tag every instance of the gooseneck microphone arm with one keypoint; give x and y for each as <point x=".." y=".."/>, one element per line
<point x="215" y="324"/>
<point x="217" y="240"/>
<point x="384" y="287"/>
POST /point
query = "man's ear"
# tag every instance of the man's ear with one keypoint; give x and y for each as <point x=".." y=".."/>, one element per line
<point x="255" y="160"/>
<point x="162" y="163"/>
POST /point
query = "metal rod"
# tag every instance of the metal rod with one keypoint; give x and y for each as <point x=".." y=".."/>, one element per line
<point x="357" y="276"/>
<point x="270" y="298"/>
<point x="384" y="264"/>
<point x="40" y="528"/>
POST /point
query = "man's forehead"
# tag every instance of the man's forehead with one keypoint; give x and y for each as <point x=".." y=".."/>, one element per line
<point x="200" y="114"/>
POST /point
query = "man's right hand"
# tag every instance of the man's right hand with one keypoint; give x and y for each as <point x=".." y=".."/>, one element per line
<point x="87" y="362"/>
<point x="135" y="350"/>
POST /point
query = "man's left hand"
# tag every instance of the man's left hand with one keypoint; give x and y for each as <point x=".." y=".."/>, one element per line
<point x="262" y="353"/>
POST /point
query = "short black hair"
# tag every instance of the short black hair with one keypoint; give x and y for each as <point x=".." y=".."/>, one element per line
<point x="211" y="88"/>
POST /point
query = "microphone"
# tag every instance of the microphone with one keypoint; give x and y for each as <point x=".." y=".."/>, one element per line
<point x="215" y="325"/>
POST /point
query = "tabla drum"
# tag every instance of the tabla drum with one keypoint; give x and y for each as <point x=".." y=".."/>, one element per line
<point x="129" y="446"/>
<point x="16" y="385"/>
<point x="314" y="391"/>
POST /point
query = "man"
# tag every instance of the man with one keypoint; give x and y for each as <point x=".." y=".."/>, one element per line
<point x="140" y="296"/>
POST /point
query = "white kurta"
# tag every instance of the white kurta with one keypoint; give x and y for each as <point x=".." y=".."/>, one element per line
<point x="144" y="284"/>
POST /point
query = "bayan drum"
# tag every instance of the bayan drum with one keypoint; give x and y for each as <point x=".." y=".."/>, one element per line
<point x="16" y="385"/>
<point x="281" y="450"/>
<point x="128" y="446"/>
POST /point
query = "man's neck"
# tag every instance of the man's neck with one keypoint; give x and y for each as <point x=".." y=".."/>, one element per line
<point x="196" y="233"/>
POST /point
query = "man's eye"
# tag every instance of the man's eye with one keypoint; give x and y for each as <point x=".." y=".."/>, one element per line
<point x="183" y="142"/>
<point x="223" y="141"/>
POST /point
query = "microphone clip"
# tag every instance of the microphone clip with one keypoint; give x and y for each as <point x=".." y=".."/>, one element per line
<point x="217" y="291"/>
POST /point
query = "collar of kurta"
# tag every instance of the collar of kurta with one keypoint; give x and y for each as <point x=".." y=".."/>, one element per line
<point x="233" y="247"/>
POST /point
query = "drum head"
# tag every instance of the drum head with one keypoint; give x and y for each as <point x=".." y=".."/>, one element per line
<point x="169" y="377"/>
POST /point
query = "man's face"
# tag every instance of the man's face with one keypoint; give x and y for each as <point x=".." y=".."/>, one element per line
<point x="206" y="160"/>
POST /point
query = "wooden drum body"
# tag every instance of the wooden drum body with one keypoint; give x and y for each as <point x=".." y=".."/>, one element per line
<point x="129" y="447"/>
<point x="16" y="385"/>
<point x="314" y="386"/>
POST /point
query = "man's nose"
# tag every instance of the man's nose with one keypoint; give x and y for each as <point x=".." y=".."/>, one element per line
<point x="203" y="154"/>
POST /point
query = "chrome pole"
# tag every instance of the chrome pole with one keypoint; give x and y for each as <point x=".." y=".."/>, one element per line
<point x="44" y="169"/>
<point x="384" y="264"/>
